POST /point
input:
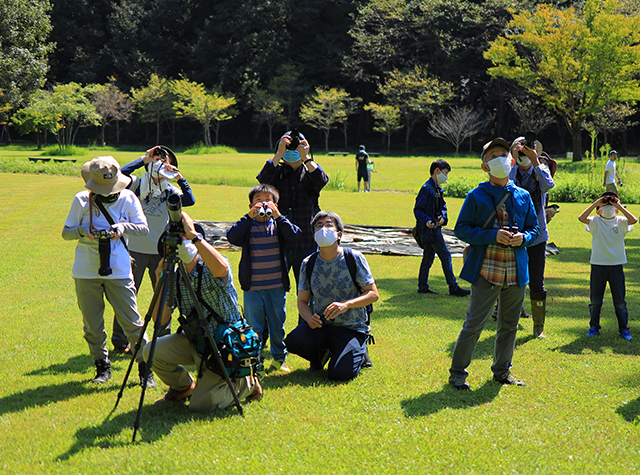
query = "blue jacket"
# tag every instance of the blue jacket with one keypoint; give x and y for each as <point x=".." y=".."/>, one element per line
<point x="240" y="235"/>
<point x="427" y="208"/>
<point x="478" y="206"/>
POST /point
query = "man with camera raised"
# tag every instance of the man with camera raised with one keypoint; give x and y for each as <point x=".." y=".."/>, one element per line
<point x="499" y="221"/>
<point x="98" y="219"/>
<point x="298" y="179"/>
<point x="210" y="277"/>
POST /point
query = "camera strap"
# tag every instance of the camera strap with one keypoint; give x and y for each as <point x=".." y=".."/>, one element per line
<point x="108" y="217"/>
<point x="495" y="210"/>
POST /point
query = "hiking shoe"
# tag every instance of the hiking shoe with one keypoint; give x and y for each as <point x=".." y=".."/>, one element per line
<point x="103" y="371"/>
<point x="459" y="384"/>
<point x="280" y="366"/>
<point x="524" y="313"/>
<point x="367" y="363"/>
<point x="626" y="335"/>
<point x="122" y="350"/>
<point x="459" y="292"/>
<point x="427" y="291"/>
<point x="173" y="395"/>
<point x="509" y="379"/>
<point x="142" y="369"/>
<point x="593" y="331"/>
<point x="257" y="393"/>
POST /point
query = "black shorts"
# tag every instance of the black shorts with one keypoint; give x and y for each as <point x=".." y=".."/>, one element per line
<point x="364" y="174"/>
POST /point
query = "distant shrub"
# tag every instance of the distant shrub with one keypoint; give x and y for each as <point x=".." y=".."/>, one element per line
<point x="459" y="186"/>
<point x="64" y="151"/>
<point x="200" y="149"/>
<point x="336" y="182"/>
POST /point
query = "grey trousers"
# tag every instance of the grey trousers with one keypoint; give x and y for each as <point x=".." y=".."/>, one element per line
<point x="211" y="391"/>
<point x="121" y="294"/>
<point x="481" y="304"/>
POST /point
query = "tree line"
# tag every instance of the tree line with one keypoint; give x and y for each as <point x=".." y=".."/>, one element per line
<point x="422" y="71"/>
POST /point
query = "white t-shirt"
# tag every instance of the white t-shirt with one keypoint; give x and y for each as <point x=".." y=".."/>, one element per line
<point x="607" y="244"/>
<point x="610" y="170"/>
<point x="126" y="209"/>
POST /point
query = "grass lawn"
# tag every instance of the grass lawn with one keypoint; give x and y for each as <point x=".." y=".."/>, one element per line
<point x="579" y="412"/>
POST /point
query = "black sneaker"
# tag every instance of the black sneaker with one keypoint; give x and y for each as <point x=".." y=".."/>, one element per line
<point x="122" y="350"/>
<point x="103" y="371"/>
<point x="459" y="384"/>
<point x="142" y="369"/>
<point x="509" y="379"/>
<point x="524" y="313"/>
<point x="427" y="291"/>
<point x="459" y="292"/>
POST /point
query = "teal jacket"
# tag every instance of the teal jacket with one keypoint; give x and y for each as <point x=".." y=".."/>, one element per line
<point x="478" y="206"/>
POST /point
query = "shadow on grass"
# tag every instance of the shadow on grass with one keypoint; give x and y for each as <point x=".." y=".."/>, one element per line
<point x="448" y="397"/>
<point x="484" y="347"/>
<point x="599" y="344"/>
<point x="299" y="377"/>
<point x="45" y="395"/>
<point x="77" y="364"/>
<point x="155" y="423"/>
<point x="630" y="411"/>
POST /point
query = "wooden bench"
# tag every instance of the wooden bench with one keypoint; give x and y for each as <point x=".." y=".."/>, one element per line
<point x="48" y="159"/>
<point x="39" y="159"/>
<point x="344" y="154"/>
<point x="60" y="160"/>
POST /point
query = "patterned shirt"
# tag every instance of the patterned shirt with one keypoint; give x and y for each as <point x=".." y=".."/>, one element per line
<point x="332" y="282"/>
<point x="499" y="265"/>
<point x="266" y="272"/>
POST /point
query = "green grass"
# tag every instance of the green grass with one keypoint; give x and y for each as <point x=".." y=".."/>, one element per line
<point x="578" y="414"/>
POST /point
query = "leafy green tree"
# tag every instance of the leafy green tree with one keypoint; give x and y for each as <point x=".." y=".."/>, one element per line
<point x="63" y="111"/>
<point x="326" y="108"/>
<point x="576" y="61"/>
<point x="154" y="102"/>
<point x="387" y="120"/>
<point x="24" y="28"/>
<point x="415" y="94"/>
<point x="210" y="108"/>
<point x="111" y="105"/>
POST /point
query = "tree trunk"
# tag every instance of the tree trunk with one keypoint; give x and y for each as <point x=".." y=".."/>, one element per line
<point x="576" y="138"/>
<point x="326" y="141"/>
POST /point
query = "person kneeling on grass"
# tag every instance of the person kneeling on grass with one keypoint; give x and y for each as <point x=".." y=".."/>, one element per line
<point x="335" y="322"/>
<point x="210" y="277"/>
<point x="607" y="258"/>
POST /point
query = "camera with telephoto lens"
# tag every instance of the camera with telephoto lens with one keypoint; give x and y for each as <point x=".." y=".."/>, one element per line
<point x="264" y="210"/>
<point x="294" y="137"/>
<point x="104" y="237"/>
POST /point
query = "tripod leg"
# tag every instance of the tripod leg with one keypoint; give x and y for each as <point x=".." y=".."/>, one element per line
<point x="167" y="286"/>
<point x="214" y="347"/>
<point x="147" y="318"/>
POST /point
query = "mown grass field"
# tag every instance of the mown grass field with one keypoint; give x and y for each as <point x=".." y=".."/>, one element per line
<point x="579" y="412"/>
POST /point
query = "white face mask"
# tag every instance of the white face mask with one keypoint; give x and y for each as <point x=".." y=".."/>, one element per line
<point x="500" y="166"/>
<point x="523" y="160"/>
<point x="441" y="178"/>
<point x="325" y="237"/>
<point x="187" y="252"/>
<point x="607" y="212"/>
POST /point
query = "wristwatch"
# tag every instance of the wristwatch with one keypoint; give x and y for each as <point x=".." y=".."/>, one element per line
<point x="308" y="160"/>
<point x="198" y="237"/>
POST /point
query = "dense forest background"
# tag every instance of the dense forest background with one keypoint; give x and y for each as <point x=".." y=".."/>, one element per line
<point x="291" y="47"/>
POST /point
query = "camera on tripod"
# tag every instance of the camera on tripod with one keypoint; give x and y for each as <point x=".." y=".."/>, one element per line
<point x="264" y="211"/>
<point x="104" y="237"/>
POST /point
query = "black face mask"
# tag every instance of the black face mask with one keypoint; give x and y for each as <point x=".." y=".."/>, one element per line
<point x="108" y="199"/>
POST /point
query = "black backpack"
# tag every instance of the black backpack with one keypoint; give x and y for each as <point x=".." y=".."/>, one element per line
<point x="351" y="264"/>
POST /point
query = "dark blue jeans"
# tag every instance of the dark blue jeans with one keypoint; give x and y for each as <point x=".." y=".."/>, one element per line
<point x="600" y="275"/>
<point x="347" y="348"/>
<point x="438" y="246"/>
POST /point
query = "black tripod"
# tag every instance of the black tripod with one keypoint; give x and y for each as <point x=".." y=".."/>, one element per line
<point x="164" y="293"/>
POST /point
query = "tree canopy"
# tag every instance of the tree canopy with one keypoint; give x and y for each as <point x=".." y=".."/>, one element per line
<point x="577" y="62"/>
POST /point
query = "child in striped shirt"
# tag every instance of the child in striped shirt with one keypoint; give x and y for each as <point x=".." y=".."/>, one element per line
<point x="264" y="233"/>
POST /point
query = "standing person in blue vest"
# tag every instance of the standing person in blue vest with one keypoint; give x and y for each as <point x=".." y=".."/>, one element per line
<point x="153" y="189"/>
<point x="299" y="180"/>
<point x="499" y="221"/>
<point x="431" y="214"/>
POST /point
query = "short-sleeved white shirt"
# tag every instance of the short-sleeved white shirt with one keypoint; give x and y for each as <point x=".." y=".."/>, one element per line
<point x="607" y="244"/>
<point x="611" y="175"/>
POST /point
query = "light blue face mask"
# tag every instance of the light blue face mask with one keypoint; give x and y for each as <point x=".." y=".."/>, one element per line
<point x="291" y="156"/>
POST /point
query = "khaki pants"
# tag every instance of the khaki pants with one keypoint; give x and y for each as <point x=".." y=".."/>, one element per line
<point x="211" y="391"/>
